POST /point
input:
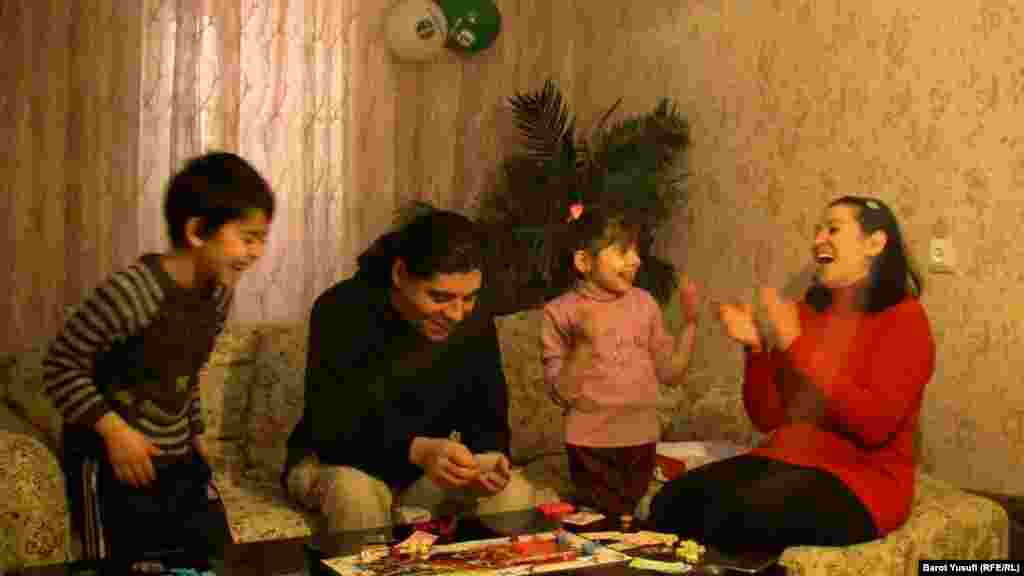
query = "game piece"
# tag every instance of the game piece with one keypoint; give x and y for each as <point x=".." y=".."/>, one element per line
<point x="373" y="552"/>
<point x="659" y="566"/>
<point x="690" y="551"/>
<point x="556" y="508"/>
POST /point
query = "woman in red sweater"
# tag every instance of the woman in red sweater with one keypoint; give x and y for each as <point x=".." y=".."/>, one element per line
<point x="835" y="382"/>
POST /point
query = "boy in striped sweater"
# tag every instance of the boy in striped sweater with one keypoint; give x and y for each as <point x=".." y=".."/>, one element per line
<point x="124" y="369"/>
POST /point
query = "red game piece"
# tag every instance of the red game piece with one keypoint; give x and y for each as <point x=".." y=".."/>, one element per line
<point x="556" y="508"/>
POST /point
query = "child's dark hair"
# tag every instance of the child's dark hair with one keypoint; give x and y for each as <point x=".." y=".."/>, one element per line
<point x="892" y="277"/>
<point x="599" y="227"/>
<point x="437" y="242"/>
<point x="216" y="188"/>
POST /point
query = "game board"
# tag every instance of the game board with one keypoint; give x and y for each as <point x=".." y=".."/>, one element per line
<point x="533" y="554"/>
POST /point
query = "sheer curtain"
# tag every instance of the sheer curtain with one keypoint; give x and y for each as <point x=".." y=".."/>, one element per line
<point x="270" y="80"/>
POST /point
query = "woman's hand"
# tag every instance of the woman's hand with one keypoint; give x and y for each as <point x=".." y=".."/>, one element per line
<point x="783" y="317"/>
<point x="738" y="320"/>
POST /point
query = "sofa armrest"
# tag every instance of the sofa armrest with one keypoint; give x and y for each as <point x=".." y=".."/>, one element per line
<point x="34" y="517"/>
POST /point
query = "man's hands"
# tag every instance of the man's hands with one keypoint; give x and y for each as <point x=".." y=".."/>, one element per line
<point x="447" y="463"/>
<point x="450" y="464"/>
<point x="495" y="472"/>
<point x="130" y="452"/>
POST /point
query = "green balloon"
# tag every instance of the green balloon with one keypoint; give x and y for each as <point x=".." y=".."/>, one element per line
<point x="472" y="24"/>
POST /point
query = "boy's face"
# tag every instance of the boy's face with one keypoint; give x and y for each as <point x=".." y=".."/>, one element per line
<point x="437" y="305"/>
<point x="234" y="247"/>
<point x="613" y="269"/>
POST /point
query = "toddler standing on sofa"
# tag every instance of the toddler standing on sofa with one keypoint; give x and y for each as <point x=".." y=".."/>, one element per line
<point x="124" y="369"/>
<point x="605" y="350"/>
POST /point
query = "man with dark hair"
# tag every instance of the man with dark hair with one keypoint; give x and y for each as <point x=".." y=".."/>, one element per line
<point x="405" y="399"/>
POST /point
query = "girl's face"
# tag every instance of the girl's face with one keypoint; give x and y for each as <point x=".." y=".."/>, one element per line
<point x="842" y="251"/>
<point x="613" y="269"/>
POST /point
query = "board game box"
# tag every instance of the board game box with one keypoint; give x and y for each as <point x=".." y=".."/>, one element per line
<point x="512" y="556"/>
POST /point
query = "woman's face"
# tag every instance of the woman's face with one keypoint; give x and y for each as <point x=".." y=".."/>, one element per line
<point x="842" y="251"/>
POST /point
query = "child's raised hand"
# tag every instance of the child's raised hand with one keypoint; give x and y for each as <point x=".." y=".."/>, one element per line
<point x="738" y="320"/>
<point x="689" y="299"/>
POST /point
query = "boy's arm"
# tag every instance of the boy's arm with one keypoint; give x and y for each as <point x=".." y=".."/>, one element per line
<point x="116" y="310"/>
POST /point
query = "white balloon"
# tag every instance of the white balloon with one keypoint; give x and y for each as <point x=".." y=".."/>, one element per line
<point x="416" y="30"/>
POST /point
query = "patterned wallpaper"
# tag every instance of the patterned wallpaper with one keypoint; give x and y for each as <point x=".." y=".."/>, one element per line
<point x="919" y="103"/>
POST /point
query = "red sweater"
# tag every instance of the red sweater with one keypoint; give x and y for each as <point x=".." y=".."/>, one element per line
<point x="845" y="398"/>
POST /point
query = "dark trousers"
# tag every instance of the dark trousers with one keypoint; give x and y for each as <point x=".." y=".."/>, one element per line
<point x="611" y="480"/>
<point x="753" y="501"/>
<point x="173" y="515"/>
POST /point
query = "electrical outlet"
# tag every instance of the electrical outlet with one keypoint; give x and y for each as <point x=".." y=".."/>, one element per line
<point x="941" y="258"/>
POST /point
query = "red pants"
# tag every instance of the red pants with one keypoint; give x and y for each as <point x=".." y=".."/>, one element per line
<point x="611" y="480"/>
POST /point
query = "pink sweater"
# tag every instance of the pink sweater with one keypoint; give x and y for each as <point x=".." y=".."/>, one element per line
<point x="615" y="402"/>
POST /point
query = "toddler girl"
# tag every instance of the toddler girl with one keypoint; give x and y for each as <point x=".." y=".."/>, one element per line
<point x="605" y="350"/>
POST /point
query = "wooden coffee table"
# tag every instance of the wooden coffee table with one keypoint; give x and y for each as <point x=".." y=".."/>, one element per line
<point x="302" y="556"/>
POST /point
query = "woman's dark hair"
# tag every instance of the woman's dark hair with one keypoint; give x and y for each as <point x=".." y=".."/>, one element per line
<point x="216" y="187"/>
<point x="892" y="277"/>
<point x="437" y="242"/>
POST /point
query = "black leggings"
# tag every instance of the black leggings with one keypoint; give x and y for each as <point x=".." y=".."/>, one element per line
<point x="753" y="501"/>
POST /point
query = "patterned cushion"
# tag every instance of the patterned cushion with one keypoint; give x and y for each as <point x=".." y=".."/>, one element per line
<point x="259" y="509"/>
<point x="34" y="526"/>
<point x="945" y="523"/>
<point x="275" y="398"/>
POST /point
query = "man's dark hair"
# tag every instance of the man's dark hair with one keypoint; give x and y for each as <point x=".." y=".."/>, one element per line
<point x="216" y="188"/>
<point x="892" y="277"/>
<point x="437" y="242"/>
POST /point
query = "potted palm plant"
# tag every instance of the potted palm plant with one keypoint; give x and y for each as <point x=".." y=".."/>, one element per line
<point x="631" y="163"/>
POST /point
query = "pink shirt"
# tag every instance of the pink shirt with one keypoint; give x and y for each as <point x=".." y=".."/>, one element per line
<point x="615" y="401"/>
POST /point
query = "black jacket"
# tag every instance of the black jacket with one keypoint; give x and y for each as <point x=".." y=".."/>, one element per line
<point x="373" y="383"/>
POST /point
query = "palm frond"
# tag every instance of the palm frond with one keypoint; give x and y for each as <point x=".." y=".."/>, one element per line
<point x="544" y="121"/>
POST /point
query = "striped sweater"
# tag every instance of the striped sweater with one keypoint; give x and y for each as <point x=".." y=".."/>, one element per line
<point x="136" y="346"/>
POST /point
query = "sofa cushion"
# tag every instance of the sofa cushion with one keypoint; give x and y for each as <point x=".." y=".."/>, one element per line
<point x="945" y="523"/>
<point x="259" y="509"/>
<point x="275" y="397"/>
<point x="21" y="375"/>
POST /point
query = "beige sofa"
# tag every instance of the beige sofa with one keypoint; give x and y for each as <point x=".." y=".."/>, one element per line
<point x="252" y="393"/>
